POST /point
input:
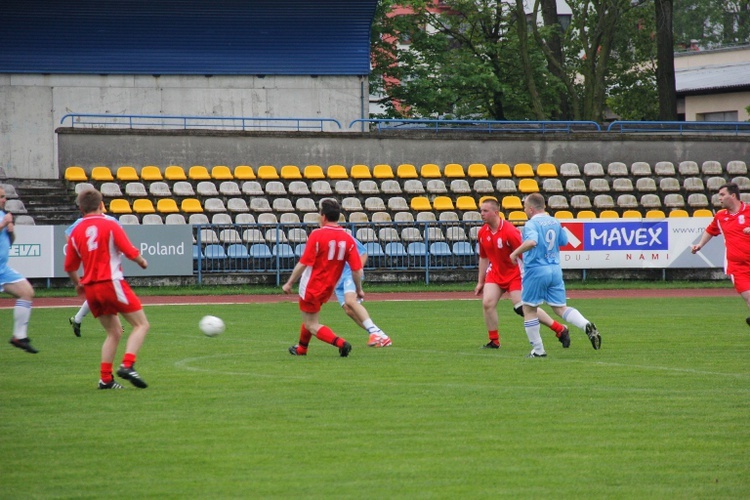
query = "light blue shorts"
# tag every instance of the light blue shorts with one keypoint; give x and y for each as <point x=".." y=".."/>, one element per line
<point x="344" y="286"/>
<point x="8" y="275"/>
<point x="543" y="284"/>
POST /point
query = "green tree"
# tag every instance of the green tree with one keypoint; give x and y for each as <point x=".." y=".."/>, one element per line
<point x="711" y="22"/>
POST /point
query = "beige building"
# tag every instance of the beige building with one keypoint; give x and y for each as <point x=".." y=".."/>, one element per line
<point x="713" y="85"/>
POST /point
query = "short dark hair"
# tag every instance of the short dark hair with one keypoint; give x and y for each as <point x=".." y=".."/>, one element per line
<point x="732" y="188"/>
<point x="536" y="201"/>
<point x="89" y="200"/>
<point x="330" y="209"/>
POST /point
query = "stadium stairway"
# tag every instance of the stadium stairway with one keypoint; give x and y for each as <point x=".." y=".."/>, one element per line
<point x="48" y="201"/>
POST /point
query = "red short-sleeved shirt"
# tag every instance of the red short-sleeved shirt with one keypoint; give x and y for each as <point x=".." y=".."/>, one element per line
<point x="497" y="247"/>
<point x="328" y="249"/>
<point x="737" y="243"/>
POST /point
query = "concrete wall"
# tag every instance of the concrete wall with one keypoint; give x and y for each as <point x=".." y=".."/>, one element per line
<point x="89" y="148"/>
<point x="31" y="106"/>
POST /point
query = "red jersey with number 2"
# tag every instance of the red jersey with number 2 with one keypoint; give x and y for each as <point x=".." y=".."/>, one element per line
<point x="497" y="247"/>
<point x="328" y="249"/>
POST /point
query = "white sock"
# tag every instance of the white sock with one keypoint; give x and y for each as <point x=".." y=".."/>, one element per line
<point x="372" y="328"/>
<point x="532" y="332"/>
<point x="82" y="312"/>
<point x="571" y="315"/>
<point x="21" y="315"/>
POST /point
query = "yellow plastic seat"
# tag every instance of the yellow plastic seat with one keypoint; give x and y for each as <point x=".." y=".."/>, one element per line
<point x="420" y="204"/>
<point x="454" y="171"/>
<point x="546" y="170"/>
<point x="221" y="173"/>
<point x="477" y="171"/>
<point x="564" y="214"/>
<point x="120" y="206"/>
<point x="466" y="203"/>
<point x="382" y="171"/>
<point x="191" y="206"/>
<point x="151" y="173"/>
<point x="244" y="173"/>
<point x="268" y="173"/>
<point x="337" y="172"/>
<point x="632" y="214"/>
<point x="517" y="217"/>
<point x="512" y="203"/>
<point x="199" y="173"/>
<point x="703" y="212"/>
<point x="175" y="173"/>
<point x="485" y="198"/>
<point x="360" y="172"/>
<point x="528" y="186"/>
<point x="291" y="173"/>
<point x="501" y="170"/>
<point x="609" y="214"/>
<point x="127" y="173"/>
<point x="167" y="206"/>
<point x="655" y="214"/>
<point x="523" y="170"/>
<point x="75" y="174"/>
<point x="407" y="171"/>
<point x="143" y="206"/>
<point x="442" y="203"/>
<point x="430" y="171"/>
<point x="678" y="212"/>
<point x="101" y="174"/>
<point x="314" y="173"/>
<point x="586" y="214"/>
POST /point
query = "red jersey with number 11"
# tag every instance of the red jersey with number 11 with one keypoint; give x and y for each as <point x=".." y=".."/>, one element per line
<point x="328" y="249"/>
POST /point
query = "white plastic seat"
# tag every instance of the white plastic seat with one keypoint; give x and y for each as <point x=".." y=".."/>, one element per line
<point x="229" y="236"/>
<point x="599" y="185"/>
<point x="436" y="186"/>
<point x="580" y="202"/>
<point x="289" y="218"/>
<point x="253" y="236"/>
<point x="688" y="168"/>
<point x="617" y="169"/>
<point x="344" y="188"/>
<point x="711" y="167"/>
<point x="669" y="185"/>
<point x="575" y="185"/>
<point x="351" y="204"/>
<point x="229" y="188"/>
<point x="282" y="205"/>
<point x="267" y="218"/>
<point x="693" y="185"/>
<point x="135" y="190"/>
<point x="252" y="188"/>
<point x="627" y="201"/>
<point x="366" y="235"/>
<point x="604" y="201"/>
<point x="403" y="217"/>
<point x="110" y="190"/>
<point x="664" y="169"/>
<point x="275" y="188"/>
<point x="305" y="205"/>
<point x="129" y="220"/>
<point x="483" y="186"/>
<point x="645" y="184"/>
<point x="297" y="235"/>
<point x="414" y="186"/>
<point x="260" y="205"/>
<point x="622" y="185"/>
<point x="650" y="201"/>
<point x="175" y="219"/>
<point x="358" y="217"/>
<point x="674" y="200"/>
<point x="196" y="219"/>
<point x="552" y="185"/>
<point x="221" y="219"/>
<point x="426" y="217"/>
<point x="213" y="205"/>
<point x="321" y="188"/>
<point x="206" y="188"/>
<point x="557" y="202"/>
<point x="391" y="187"/>
<point x="386" y="234"/>
<point x="237" y="205"/>
<point x="506" y="186"/>
<point x="160" y="189"/>
<point x="152" y="220"/>
<point x="409" y="234"/>
<point x="697" y="200"/>
<point x="381" y="217"/>
<point x="640" y="169"/>
<point x="368" y="187"/>
<point x="183" y="188"/>
<point x="244" y="218"/>
<point x="374" y="204"/>
<point x="736" y="167"/>
<point x="593" y="169"/>
<point x="569" y="170"/>
<point x="397" y="204"/>
<point x="460" y="186"/>
<point x="299" y="188"/>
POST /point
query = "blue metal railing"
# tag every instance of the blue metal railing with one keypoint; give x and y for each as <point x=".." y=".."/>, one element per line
<point x="431" y="251"/>
<point x="198" y="122"/>
<point x="735" y="128"/>
<point x="489" y="126"/>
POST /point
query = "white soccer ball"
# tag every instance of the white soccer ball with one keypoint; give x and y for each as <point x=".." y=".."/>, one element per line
<point x="211" y="325"/>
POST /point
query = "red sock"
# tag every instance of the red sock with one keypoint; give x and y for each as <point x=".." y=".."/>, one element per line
<point x="557" y="328"/>
<point x="106" y="372"/>
<point x="326" y="335"/>
<point x="128" y="360"/>
<point x="304" y="340"/>
<point x="494" y="336"/>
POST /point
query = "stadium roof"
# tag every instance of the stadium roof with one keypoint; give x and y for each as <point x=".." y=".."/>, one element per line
<point x="713" y="79"/>
<point x="205" y="37"/>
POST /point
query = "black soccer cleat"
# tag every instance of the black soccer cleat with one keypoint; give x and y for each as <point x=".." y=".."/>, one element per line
<point x="594" y="337"/>
<point x="76" y="326"/>
<point x="747" y="320"/>
<point x="24" y="344"/>
<point x="294" y="352"/>
<point x="131" y="375"/>
<point x="564" y="338"/>
<point x="534" y="355"/>
<point x="111" y="385"/>
<point x="491" y="345"/>
<point x="345" y="349"/>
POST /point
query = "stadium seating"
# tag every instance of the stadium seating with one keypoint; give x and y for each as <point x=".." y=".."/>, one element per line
<point x="368" y="187"/>
<point x="436" y="186"/>
<point x="110" y="190"/>
<point x="736" y="167"/>
<point x="152" y="220"/>
<point x="640" y="169"/>
<point x="291" y="173"/>
<point x="442" y="203"/>
<point x="198" y="173"/>
<point x="129" y="220"/>
<point x="206" y="188"/>
<point x="102" y="174"/>
<point x="75" y="174"/>
<point x="609" y="214"/>
<point x="501" y="170"/>
<point x="116" y="206"/>
<point x="664" y="169"/>
<point x="382" y="171"/>
<point x="477" y="170"/>
<point x="526" y="186"/>
<point x="191" y="205"/>
<point x="174" y="219"/>
<point x="585" y="214"/>
<point x="159" y="189"/>
<point x="175" y="173"/>
<point x="564" y="214"/>
<point x="711" y="168"/>
<point x="151" y="173"/>
<point x="391" y="187"/>
<point x="183" y="189"/>
<point x="632" y="214"/>
<point x="167" y="206"/>
<point x="244" y="173"/>
<point x="335" y="172"/>
<point x="655" y="214"/>
<point x="523" y="170"/>
<point x="512" y="203"/>
<point x="221" y="173"/>
<point x="483" y="186"/>
<point x="569" y="170"/>
<point x="546" y="170"/>
<point x="430" y="171"/>
<point x="267" y="173"/>
<point x="143" y="206"/>
<point x="407" y="171"/>
<point x="688" y="168"/>
<point x="506" y="186"/>
<point x="703" y="212"/>
<point x="360" y="172"/>
<point x="454" y="171"/>
<point x="313" y="173"/>
<point x="460" y="186"/>
<point x="617" y="169"/>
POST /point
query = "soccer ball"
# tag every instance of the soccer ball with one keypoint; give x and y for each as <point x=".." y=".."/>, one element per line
<point x="211" y="325"/>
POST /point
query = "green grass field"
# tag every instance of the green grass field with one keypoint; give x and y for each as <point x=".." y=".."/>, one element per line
<point x="663" y="410"/>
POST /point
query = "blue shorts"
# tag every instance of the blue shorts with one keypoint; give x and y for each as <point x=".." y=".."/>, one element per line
<point x="543" y="284"/>
<point x="344" y="286"/>
<point x="8" y="275"/>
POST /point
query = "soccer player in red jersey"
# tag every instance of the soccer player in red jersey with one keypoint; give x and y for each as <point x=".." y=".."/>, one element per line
<point x="498" y="274"/>
<point x="733" y="221"/>
<point x="328" y="248"/>
<point x="98" y="243"/>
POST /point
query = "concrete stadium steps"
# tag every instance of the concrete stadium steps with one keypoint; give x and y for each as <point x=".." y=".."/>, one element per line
<point x="48" y="201"/>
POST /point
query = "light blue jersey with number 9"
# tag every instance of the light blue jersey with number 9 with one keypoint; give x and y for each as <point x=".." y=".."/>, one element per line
<point x="549" y="236"/>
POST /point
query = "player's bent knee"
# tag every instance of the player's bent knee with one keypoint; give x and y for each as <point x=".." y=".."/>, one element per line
<point x="518" y="309"/>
